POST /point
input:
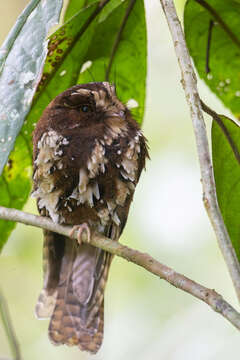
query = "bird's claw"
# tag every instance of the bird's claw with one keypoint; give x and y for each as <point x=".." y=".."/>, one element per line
<point x="80" y="229"/>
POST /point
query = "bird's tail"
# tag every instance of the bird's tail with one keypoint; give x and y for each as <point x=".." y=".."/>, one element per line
<point x="75" y="302"/>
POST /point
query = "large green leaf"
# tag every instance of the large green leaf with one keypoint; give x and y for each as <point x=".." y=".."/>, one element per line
<point x="224" y="56"/>
<point x="15" y="184"/>
<point x="75" y="5"/>
<point x="125" y="45"/>
<point x="21" y="60"/>
<point x="227" y="176"/>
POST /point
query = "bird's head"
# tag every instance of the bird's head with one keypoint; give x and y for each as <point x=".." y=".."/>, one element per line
<point x="87" y="105"/>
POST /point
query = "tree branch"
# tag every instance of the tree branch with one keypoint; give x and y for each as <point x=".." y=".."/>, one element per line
<point x="189" y="83"/>
<point x="209" y="296"/>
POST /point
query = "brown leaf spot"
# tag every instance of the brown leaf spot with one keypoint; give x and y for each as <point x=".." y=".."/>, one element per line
<point x="9" y="164"/>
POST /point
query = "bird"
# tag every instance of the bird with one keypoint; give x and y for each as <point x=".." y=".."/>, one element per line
<point x="88" y="155"/>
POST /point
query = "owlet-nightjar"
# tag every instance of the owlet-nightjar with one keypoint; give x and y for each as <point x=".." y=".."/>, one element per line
<point x="88" y="156"/>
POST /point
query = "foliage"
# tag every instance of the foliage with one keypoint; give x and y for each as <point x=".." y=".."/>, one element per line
<point x="227" y="176"/>
<point x="215" y="25"/>
<point x="224" y="53"/>
<point x="106" y="33"/>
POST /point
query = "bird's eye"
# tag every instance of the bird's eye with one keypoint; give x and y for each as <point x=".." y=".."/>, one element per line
<point x="85" y="108"/>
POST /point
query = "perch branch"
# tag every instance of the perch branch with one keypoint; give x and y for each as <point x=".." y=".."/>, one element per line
<point x="7" y="324"/>
<point x="189" y="82"/>
<point x="209" y="296"/>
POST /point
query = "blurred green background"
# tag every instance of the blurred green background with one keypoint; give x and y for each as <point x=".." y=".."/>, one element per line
<point x="145" y="318"/>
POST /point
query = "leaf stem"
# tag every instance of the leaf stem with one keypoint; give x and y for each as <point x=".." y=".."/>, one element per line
<point x="118" y="38"/>
<point x="218" y="18"/>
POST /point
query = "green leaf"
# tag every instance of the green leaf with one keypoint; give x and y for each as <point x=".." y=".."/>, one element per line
<point x="224" y="55"/>
<point x="21" y="59"/>
<point x="75" y="5"/>
<point x="129" y="60"/>
<point x="15" y="184"/>
<point x="227" y="176"/>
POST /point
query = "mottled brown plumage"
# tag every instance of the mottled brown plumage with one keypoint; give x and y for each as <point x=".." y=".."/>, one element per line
<point x="88" y="157"/>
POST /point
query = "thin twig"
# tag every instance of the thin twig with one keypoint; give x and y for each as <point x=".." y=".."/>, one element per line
<point x="209" y="296"/>
<point x="118" y="37"/>
<point x="221" y="22"/>
<point x="219" y="121"/>
<point x="189" y="82"/>
<point x="7" y="324"/>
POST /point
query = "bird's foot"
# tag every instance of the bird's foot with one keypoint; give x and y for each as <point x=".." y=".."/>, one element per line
<point x="80" y="229"/>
